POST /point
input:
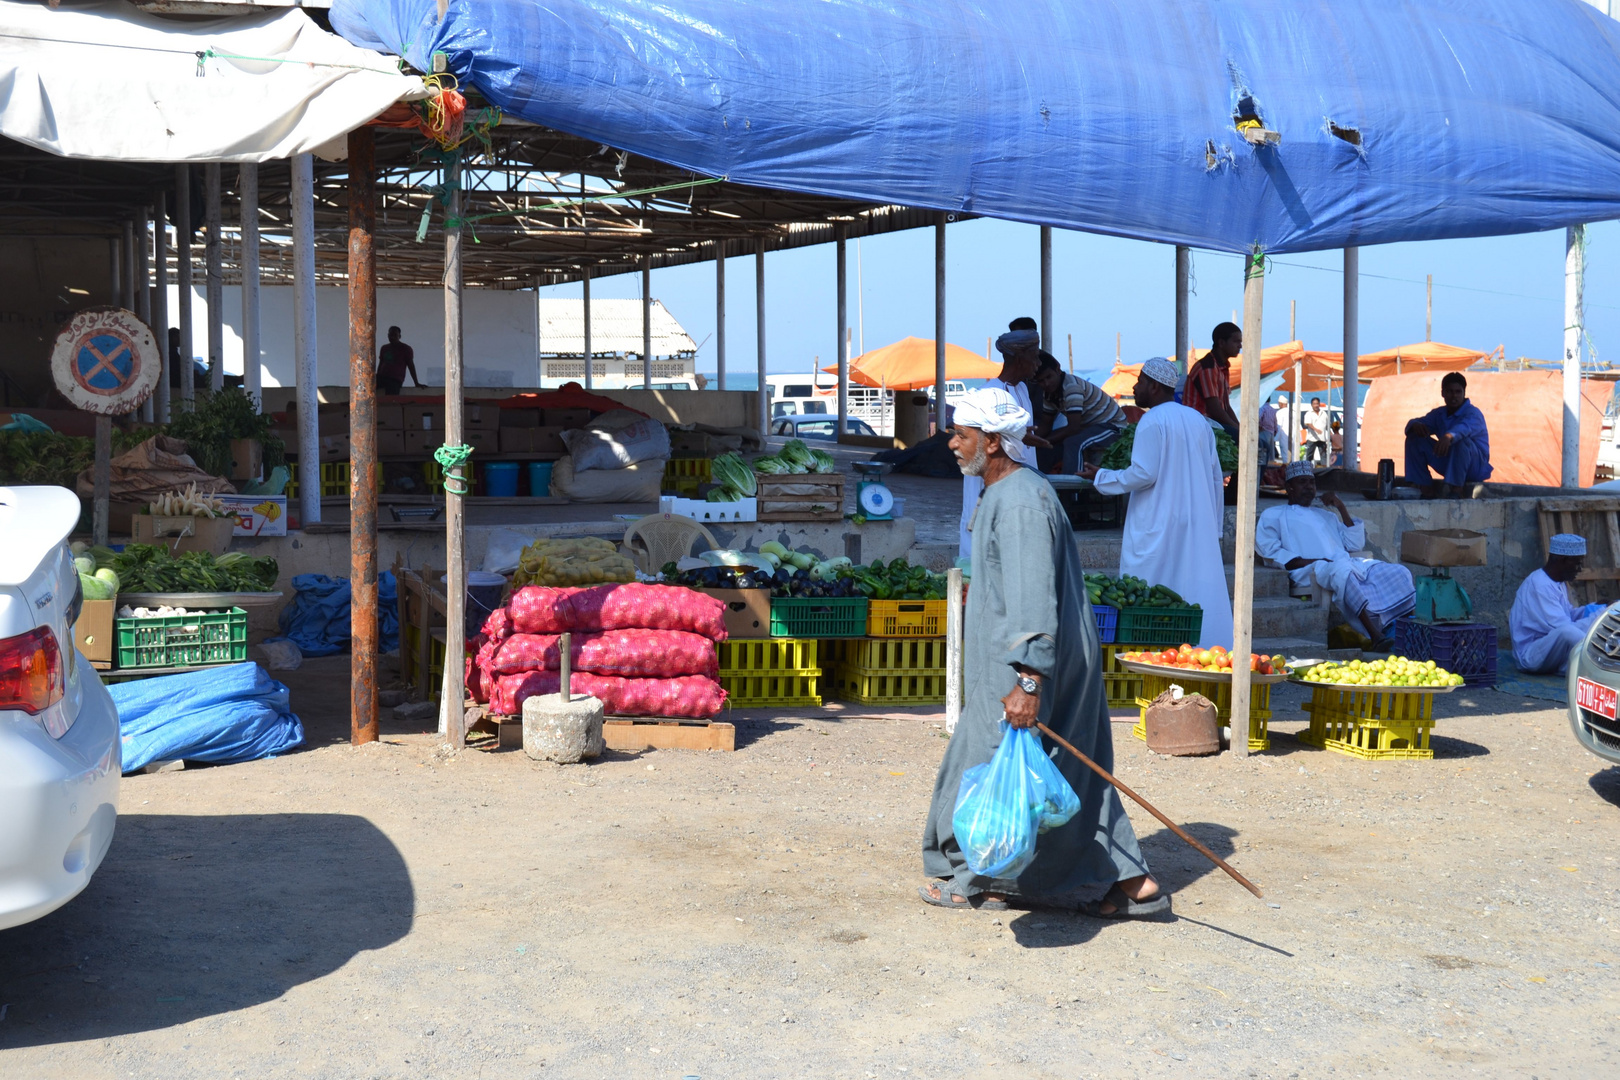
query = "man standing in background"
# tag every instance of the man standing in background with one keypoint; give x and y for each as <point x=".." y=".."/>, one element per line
<point x="1314" y="426"/>
<point x="394" y="360"/>
<point x="1209" y="382"/>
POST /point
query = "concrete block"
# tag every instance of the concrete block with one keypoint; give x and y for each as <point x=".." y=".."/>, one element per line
<point x="566" y="732"/>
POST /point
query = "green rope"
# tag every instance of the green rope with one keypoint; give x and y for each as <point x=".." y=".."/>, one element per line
<point x="451" y="459"/>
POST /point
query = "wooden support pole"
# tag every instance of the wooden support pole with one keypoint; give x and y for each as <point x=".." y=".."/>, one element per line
<point x="1247" y="480"/>
<point x="160" y="299"/>
<point x="451" y="708"/>
<point x="1046" y="288"/>
<point x="764" y="409"/>
<point x="939" y="322"/>
<point x="143" y="294"/>
<point x="252" y="368"/>
<point x="102" y="480"/>
<point x="646" y="322"/>
<point x="304" y="355"/>
<point x="1574" y="329"/>
<point x="182" y="255"/>
<point x="1183" y="317"/>
<point x="720" y="313"/>
<point x="363" y="441"/>
<point x="213" y="261"/>
<point x="841" y="232"/>
<point x="954" y="621"/>
<point x="1352" y="355"/>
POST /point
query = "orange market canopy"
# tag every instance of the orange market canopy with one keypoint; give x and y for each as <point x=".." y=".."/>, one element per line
<point x="1322" y="370"/>
<point x="1122" y="379"/>
<point x="908" y="364"/>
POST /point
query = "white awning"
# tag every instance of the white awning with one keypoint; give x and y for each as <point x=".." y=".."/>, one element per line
<point x="103" y="80"/>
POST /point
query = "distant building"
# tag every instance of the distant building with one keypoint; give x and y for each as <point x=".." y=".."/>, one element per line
<point x="616" y="343"/>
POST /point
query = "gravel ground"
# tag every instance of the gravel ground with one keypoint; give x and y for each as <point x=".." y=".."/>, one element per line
<point x="398" y="912"/>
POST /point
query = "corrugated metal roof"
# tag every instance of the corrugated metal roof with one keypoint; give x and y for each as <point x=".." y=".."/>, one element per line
<point x="615" y="328"/>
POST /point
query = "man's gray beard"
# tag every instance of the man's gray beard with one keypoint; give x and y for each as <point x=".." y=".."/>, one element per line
<point x="976" y="466"/>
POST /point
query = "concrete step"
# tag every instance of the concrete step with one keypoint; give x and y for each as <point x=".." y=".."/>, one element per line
<point x="1281" y="617"/>
<point x="1268" y="581"/>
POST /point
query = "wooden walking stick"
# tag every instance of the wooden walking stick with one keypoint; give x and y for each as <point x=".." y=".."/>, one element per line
<point x="1150" y="808"/>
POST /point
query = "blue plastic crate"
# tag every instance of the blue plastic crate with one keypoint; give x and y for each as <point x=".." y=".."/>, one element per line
<point x="1107" y="622"/>
<point x="1466" y="649"/>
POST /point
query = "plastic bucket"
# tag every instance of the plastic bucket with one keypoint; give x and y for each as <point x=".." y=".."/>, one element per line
<point x="540" y="478"/>
<point x="483" y="596"/>
<point x="500" y="479"/>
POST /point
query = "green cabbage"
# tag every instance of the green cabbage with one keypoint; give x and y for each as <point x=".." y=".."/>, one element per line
<point x="733" y="473"/>
<point x="822" y="462"/>
<point x="796" y="455"/>
<point x="770" y="466"/>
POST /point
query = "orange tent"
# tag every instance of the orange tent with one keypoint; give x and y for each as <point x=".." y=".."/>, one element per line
<point x="1524" y="411"/>
<point x="1277" y="358"/>
<point x="908" y="364"/>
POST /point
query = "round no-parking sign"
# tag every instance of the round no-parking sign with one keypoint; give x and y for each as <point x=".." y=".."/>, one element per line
<point x="105" y="360"/>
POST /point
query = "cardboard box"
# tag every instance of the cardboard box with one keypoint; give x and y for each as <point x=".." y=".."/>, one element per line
<point x="481" y="415"/>
<point x="423" y="417"/>
<point x="532" y="440"/>
<point x="330" y="418"/>
<point x="247" y="460"/>
<point x="390" y="442"/>
<point x="335" y="447"/>
<point x="179" y="534"/>
<point x="689" y="444"/>
<point x="567" y="418"/>
<point x="93" y="633"/>
<point x="1443" y="547"/>
<point x="390" y="418"/>
<point x="257" y="515"/>
<point x="422" y="443"/>
<point x="483" y="443"/>
<point x="748" y="611"/>
<point x="520" y="418"/>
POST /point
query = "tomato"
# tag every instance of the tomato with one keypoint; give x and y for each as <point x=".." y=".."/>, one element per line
<point x="1254" y="662"/>
<point x="1265" y="667"/>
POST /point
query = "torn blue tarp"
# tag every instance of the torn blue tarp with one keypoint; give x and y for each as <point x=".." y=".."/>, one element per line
<point x="317" y="620"/>
<point x="222" y="715"/>
<point x="1397" y="119"/>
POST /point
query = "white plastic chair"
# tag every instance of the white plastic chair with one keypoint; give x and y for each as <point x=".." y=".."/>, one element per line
<point x="663" y="538"/>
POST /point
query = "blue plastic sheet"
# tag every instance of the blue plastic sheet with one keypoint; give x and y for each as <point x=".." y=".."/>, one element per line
<point x="1004" y="804"/>
<point x="317" y="620"/>
<point x="1399" y="119"/>
<point x="221" y="715"/>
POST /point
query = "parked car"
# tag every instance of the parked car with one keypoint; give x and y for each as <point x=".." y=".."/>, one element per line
<point x="817" y="427"/>
<point x="1594" y="685"/>
<point x="60" y="755"/>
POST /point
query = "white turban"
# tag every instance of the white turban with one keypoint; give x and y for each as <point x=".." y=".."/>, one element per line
<point x="1162" y="372"/>
<point x="994" y="411"/>
<point x="1297" y="469"/>
<point x="1567" y="544"/>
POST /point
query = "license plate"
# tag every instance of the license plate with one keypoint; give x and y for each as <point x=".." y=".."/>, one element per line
<point x="1595" y="697"/>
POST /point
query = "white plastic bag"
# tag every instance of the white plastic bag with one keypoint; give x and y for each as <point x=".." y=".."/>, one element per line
<point x="593" y="448"/>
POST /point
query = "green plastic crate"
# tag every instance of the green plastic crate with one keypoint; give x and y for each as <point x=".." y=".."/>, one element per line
<point x="1158" y="625"/>
<point x="190" y="640"/>
<point x="818" y="617"/>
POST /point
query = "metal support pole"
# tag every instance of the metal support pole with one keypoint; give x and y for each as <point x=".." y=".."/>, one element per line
<point x="182" y="256"/>
<point x="102" y="478"/>
<point x="115" y="273"/>
<point x="143" y="294"/>
<point x="213" y="255"/>
<point x="939" y="321"/>
<point x="126" y="269"/>
<point x="1247" y="480"/>
<point x="304" y="369"/>
<point x="252" y="373"/>
<point x="646" y="322"/>
<point x="1046" y="287"/>
<point x="953" y="648"/>
<point x="1292" y="336"/>
<point x="1183" y="321"/>
<point x="1428" y="308"/>
<point x="720" y="313"/>
<point x="587" y="347"/>
<point x="1574" y="328"/>
<point x="363" y="443"/>
<point x="160" y="299"/>
<point x="451" y="708"/>
<point x="1352" y="357"/>
<point x="759" y="320"/>
<point x="843" y="325"/>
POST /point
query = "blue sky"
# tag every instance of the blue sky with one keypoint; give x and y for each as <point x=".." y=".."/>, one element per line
<point x="1491" y="291"/>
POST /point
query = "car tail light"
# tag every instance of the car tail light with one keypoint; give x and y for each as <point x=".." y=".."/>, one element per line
<point x="30" y="671"/>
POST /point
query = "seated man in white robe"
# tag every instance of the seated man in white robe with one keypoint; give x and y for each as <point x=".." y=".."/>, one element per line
<point x="1316" y="545"/>
<point x="1545" y="626"/>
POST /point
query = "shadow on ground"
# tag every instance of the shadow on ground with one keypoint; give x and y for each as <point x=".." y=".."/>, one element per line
<point x="193" y="916"/>
<point x="1607" y="785"/>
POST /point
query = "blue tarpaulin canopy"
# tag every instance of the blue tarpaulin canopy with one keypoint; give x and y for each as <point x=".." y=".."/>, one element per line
<point x="1396" y="119"/>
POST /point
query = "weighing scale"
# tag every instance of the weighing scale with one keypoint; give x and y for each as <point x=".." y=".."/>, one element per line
<point x="872" y="496"/>
<point x="1441" y="599"/>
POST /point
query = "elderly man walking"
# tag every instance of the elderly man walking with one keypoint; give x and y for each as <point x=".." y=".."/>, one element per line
<point x="1020" y="354"/>
<point x="1173" y="527"/>
<point x="1032" y="655"/>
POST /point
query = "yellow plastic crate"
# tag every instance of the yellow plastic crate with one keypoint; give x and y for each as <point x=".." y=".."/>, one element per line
<point x="335" y="478"/>
<point x="1122" y="690"/>
<point x="1218" y="692"/>
<point x="894" y="655"/>
<point x="905" y="618"/>
<point x="1370" y="725"/>
<point x="746" y="691"/>
<point x="887" y="687"/>
<point x="407" y="660"/>
<point x="772" y="656"/>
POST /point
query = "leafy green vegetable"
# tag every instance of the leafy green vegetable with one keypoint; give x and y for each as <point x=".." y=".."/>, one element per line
<point x="1118" y="456"/>
<point x="898" y="580"/>
<point x="733" y="473"/>
<point x="149" y="568"/>
<point x="822" y="462"/>
<point x="49" y="457"/>
<point x="217" y="417"/>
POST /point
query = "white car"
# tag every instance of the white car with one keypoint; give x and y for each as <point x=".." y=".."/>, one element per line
<point x="60" y="754"/>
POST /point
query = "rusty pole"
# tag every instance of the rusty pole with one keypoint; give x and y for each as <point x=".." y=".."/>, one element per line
<point x="362" y="436"/>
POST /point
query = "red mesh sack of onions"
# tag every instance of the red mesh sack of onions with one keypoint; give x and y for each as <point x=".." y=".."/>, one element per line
<point x="695" y="697"/>
<point x="662" y="654"/>
<point x="537" y="609"/>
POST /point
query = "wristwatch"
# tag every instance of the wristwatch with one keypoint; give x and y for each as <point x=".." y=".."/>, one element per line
<point x="1029" y="684"/>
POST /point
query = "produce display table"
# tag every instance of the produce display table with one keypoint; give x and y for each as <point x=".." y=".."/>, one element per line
<point x="1217" y="686"/>
<point x="1373" y="723"/>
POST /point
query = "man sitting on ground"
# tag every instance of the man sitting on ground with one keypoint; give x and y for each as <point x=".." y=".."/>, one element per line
<point x="1315" y="546"/>
<point x="1544" y="625"/>
<point x="1451" y="440"/>
<point x="1092" y="421"/>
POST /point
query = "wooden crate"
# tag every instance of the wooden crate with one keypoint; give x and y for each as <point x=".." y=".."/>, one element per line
<point x="422" y="606"/>
<point x="1597" y="519"/>
<point x="637" y="733"/>
<point x="797" y="497"/>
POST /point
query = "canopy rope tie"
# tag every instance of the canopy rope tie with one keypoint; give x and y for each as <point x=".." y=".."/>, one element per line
<point x="451" y="459"/>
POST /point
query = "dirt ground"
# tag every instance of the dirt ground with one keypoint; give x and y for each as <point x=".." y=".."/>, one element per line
<point x="397" y="912"/>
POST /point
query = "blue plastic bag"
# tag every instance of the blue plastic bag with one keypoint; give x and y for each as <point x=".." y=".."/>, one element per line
<point x="1004" y="804"/>
<point x="220" y="715"/>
